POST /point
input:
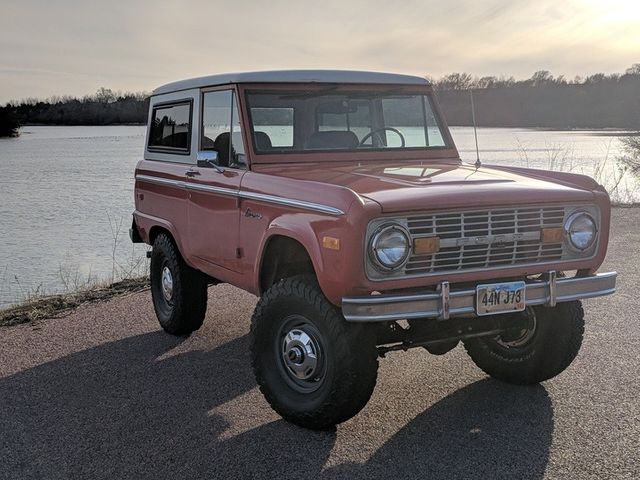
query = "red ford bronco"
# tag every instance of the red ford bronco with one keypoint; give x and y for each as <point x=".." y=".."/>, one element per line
<point x="341" y="201"/>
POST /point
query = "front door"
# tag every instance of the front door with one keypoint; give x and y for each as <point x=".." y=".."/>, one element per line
<point x="213" y="213"/>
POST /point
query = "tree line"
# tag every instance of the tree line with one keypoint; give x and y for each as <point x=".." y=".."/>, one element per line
<point x="596" y="101"/>
<point x="543" y="100"/>
<point x="105" y="107"/>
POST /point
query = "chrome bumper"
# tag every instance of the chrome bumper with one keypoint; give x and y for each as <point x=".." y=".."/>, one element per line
<point x="445" y="302"/>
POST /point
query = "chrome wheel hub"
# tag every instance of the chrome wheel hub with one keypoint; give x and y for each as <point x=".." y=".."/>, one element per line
<point x="522" y="337"/>
<point x="301" y="354"/>
<point x="167" y="284"/>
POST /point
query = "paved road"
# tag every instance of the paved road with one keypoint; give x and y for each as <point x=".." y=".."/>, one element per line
<point x="103" y="393"/>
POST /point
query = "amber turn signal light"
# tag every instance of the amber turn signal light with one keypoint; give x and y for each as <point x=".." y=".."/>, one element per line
<point x="552" y="235"/>
<point x="331" y="243"/>
<point x="423" y="246"/>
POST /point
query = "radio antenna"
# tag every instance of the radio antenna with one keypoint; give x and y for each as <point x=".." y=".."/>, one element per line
<point x="475" y="130"/>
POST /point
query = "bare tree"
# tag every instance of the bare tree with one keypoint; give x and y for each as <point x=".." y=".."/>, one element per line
<point x="105" y="95"/>
<point x="631" y="153"/>
<point x="541" y="77"/>
<point x="633" y="70"/>
<point x="455" y="81"/>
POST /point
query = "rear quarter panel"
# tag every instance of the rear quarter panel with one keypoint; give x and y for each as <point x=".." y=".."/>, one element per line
<point x="159" y="205"/>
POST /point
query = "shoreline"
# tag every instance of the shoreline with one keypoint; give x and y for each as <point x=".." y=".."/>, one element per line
<point x="51" y="306"/>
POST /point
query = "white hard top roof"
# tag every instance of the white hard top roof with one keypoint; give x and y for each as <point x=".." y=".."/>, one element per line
<point x="293" y="76"/>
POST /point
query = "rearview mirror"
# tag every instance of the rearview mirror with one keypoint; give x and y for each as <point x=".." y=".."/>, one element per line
<point x="338" y="107"/>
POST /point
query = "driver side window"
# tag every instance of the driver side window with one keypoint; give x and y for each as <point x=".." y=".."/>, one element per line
<point x="221" y="129"/>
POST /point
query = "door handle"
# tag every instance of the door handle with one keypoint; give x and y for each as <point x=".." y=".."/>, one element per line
<point x="192" y="173"/>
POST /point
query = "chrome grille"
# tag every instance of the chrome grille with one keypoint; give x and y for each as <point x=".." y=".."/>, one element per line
<point x="481" y="230"/>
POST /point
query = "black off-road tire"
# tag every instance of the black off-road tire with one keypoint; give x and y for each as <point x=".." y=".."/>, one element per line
<point x="554" y="345"/>
<point x="350" y="359"/>
<point x="184" y="312"/>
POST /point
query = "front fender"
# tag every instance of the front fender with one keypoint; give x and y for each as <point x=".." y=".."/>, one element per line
<point x="340" y="271"/>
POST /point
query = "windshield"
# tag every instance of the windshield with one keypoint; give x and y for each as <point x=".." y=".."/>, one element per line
<point x="302" y="121"/>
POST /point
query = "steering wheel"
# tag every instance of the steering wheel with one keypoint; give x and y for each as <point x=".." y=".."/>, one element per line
<point x="378" y="131"/>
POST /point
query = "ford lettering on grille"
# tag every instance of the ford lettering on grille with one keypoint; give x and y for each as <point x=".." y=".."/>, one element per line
<point x="493" y="239"/>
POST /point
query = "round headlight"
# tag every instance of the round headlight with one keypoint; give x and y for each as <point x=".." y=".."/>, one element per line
<point x="581" y="230"/>
<point x="390" y="247"/>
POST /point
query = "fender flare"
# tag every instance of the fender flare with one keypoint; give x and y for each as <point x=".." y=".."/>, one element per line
<point x="303" y="234"/>
<point x="146" y="223"/>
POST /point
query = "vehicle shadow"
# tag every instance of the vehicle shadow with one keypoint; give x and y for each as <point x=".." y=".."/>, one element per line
<point x="127" y="410"/>
<point x="486" y="430"/>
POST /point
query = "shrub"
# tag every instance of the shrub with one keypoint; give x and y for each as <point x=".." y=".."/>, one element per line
<point x="9" y="124"/>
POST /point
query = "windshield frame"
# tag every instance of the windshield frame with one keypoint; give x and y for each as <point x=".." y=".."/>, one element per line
<point x="365" y="154"/>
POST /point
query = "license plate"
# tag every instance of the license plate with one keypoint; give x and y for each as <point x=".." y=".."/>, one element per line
<point x="496" y="298"/>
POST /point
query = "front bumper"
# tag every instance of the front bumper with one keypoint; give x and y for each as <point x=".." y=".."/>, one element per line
<point x="445" y="303"/>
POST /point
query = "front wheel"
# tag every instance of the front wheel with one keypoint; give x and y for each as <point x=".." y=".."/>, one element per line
<point x="315" y="369"/>
<point x="545" y="347"/>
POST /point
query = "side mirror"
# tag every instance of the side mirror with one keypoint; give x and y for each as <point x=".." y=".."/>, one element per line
<point x="208" y="159"/>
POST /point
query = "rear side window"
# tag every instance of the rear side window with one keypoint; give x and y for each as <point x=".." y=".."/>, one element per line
<point x="171" y="128"/>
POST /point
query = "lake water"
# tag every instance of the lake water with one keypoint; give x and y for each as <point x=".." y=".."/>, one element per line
<point x="66" y="195"/>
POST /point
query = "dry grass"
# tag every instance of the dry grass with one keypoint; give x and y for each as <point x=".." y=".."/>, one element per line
<point x="36" y="303"/>
<point x="41" y="307"/>
<point x="74" y="288"/>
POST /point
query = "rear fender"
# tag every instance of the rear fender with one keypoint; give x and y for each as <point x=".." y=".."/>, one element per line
<point x="147" y="226"/>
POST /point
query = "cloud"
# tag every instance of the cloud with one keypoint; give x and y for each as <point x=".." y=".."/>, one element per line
<point x="74" y="47"/>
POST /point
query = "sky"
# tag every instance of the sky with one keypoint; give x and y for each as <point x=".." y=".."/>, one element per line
<point x="66" y="47"/>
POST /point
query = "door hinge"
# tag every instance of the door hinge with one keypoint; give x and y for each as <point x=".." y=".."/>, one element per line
<point x="239" y="252"/>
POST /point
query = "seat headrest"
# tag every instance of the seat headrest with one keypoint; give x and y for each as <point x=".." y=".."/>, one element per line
<point x="333" y="139"/>
<point x="263" y="142"/>
<point x="221" y="145"/>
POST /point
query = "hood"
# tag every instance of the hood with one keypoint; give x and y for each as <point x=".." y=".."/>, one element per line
<point x="427" y="185"/>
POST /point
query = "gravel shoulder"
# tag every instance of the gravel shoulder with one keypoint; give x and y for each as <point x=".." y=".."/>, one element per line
<point x="103" y="393"/>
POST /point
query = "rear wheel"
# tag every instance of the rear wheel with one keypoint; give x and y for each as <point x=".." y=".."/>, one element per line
<point x="179" y="292"/>
<point x="314" y="368"/>
<point x="546" y="346"/>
